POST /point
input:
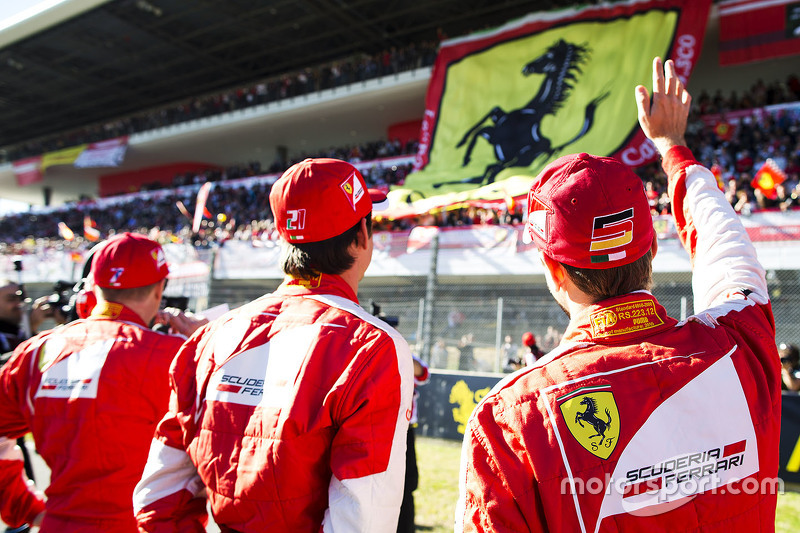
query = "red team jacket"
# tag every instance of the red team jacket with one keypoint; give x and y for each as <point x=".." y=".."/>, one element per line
<point x="638" y="421"/>
<point x="292" y="411"/>
<point x="18" y="505"/>
<point x="92" y="393"/>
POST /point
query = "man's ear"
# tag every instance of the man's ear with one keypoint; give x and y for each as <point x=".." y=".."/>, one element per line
<point x="158" y="290"/>
<point x="363" y="234"/>
<point x="654" y="246"/>
<point x="557" y="272"/>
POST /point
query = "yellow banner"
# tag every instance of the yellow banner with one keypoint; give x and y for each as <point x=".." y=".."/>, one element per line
<point x="67" y="156"/>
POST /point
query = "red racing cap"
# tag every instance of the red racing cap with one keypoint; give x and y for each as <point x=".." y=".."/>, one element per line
<point x="318" y="199"/>
<point x="127" y="261"/>
<point x="528" y="339"/>
<point x="589" y="212"/>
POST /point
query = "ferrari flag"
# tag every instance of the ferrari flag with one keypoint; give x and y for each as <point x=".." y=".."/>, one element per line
<point x="768" y="178"/>
<point x="505" y="102"/>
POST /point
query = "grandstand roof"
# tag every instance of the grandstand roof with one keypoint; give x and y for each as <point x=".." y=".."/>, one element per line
<point x="127" y="55"/>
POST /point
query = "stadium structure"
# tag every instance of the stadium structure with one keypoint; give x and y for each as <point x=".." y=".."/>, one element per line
<point x="93" y="64"/>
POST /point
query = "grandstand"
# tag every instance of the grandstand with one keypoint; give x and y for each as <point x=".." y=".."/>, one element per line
<point x="238" y="111"/>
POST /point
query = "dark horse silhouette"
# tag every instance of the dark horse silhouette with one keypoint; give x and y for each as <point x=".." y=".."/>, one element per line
<point x="590" y="417"/>
<point x="515" y="135"/>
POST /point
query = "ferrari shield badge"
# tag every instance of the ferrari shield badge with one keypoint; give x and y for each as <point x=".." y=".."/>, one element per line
<point x="591" y="415"/>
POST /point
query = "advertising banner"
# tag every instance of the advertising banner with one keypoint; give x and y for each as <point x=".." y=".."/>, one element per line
<point x="448" y="400"/>
<point x="109" y="153"/>
<point x="67" y="156"/>
<point x="28" y="171"/>
<point x="790" y="438"/>
<point x="755" y="30"/>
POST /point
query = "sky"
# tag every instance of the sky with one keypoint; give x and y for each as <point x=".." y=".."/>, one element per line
<point x="12" y="12"/>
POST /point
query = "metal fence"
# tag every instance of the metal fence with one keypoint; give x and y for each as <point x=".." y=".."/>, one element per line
<point x="476" y="315"/>
<point x="471" y="317"/>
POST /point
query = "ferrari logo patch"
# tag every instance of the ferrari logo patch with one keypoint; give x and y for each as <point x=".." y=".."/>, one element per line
<point x="353" y="189"/>
<point x="591" y="415"/>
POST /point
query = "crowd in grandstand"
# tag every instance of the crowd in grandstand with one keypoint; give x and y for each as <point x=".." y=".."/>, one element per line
<point x="351" y="70"/>
<point x="737" y="151"/>
<point x="240" y="211"/>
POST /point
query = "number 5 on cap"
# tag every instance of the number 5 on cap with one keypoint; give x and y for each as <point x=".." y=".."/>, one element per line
<point x="612" y="231"/>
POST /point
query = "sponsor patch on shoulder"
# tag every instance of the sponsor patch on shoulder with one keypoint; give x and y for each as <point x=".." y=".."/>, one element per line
<point x="624" y="318"/>
<point x="107" y="309"/>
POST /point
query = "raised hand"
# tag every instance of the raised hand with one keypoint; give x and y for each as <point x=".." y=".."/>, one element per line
<point x="663" y="119"/>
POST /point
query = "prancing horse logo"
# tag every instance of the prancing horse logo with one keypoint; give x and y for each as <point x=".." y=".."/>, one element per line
<point x="591" y="415"/>
<point x="515" y="135"/>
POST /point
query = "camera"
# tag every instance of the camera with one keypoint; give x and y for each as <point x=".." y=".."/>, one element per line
<point x="178" y="302"/>
<point x="62" y="299"/>
<point x="375" y="310"/>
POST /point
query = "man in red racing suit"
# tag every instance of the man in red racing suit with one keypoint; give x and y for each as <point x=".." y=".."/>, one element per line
<point x="291" y="412"/>
<point x="92" y="392"/>
<point x="636" y="422"/>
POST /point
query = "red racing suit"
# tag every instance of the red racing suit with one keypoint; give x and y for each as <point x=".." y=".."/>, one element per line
<point x="92" y="393"/>
<point x="290" y="413"/>
<point x="18" y="505"/>
<point x="638" y="422"/>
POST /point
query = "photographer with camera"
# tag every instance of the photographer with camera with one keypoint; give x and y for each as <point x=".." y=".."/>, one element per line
<point x="15" y="321"/>
<point x="790" y="366"/>
<point x="93" y="390"/>
<point x="11" y="311"/>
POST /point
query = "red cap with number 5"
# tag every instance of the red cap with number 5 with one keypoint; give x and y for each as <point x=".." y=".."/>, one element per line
<point x="589" y="212"/>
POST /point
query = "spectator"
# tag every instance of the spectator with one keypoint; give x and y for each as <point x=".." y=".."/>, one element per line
<point x="439" y="354"/>
<point x="15" y="320"/>
<point x="292" y="410"/>
<point x="11" y="309"/>
<point x="532" y="351"/>
<point x="509" y="352"/>
<point x="405" y="524"/>
<point x="552" y="338"/>
<point x="790" y="366"/>
<point x="466" y="353"/>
